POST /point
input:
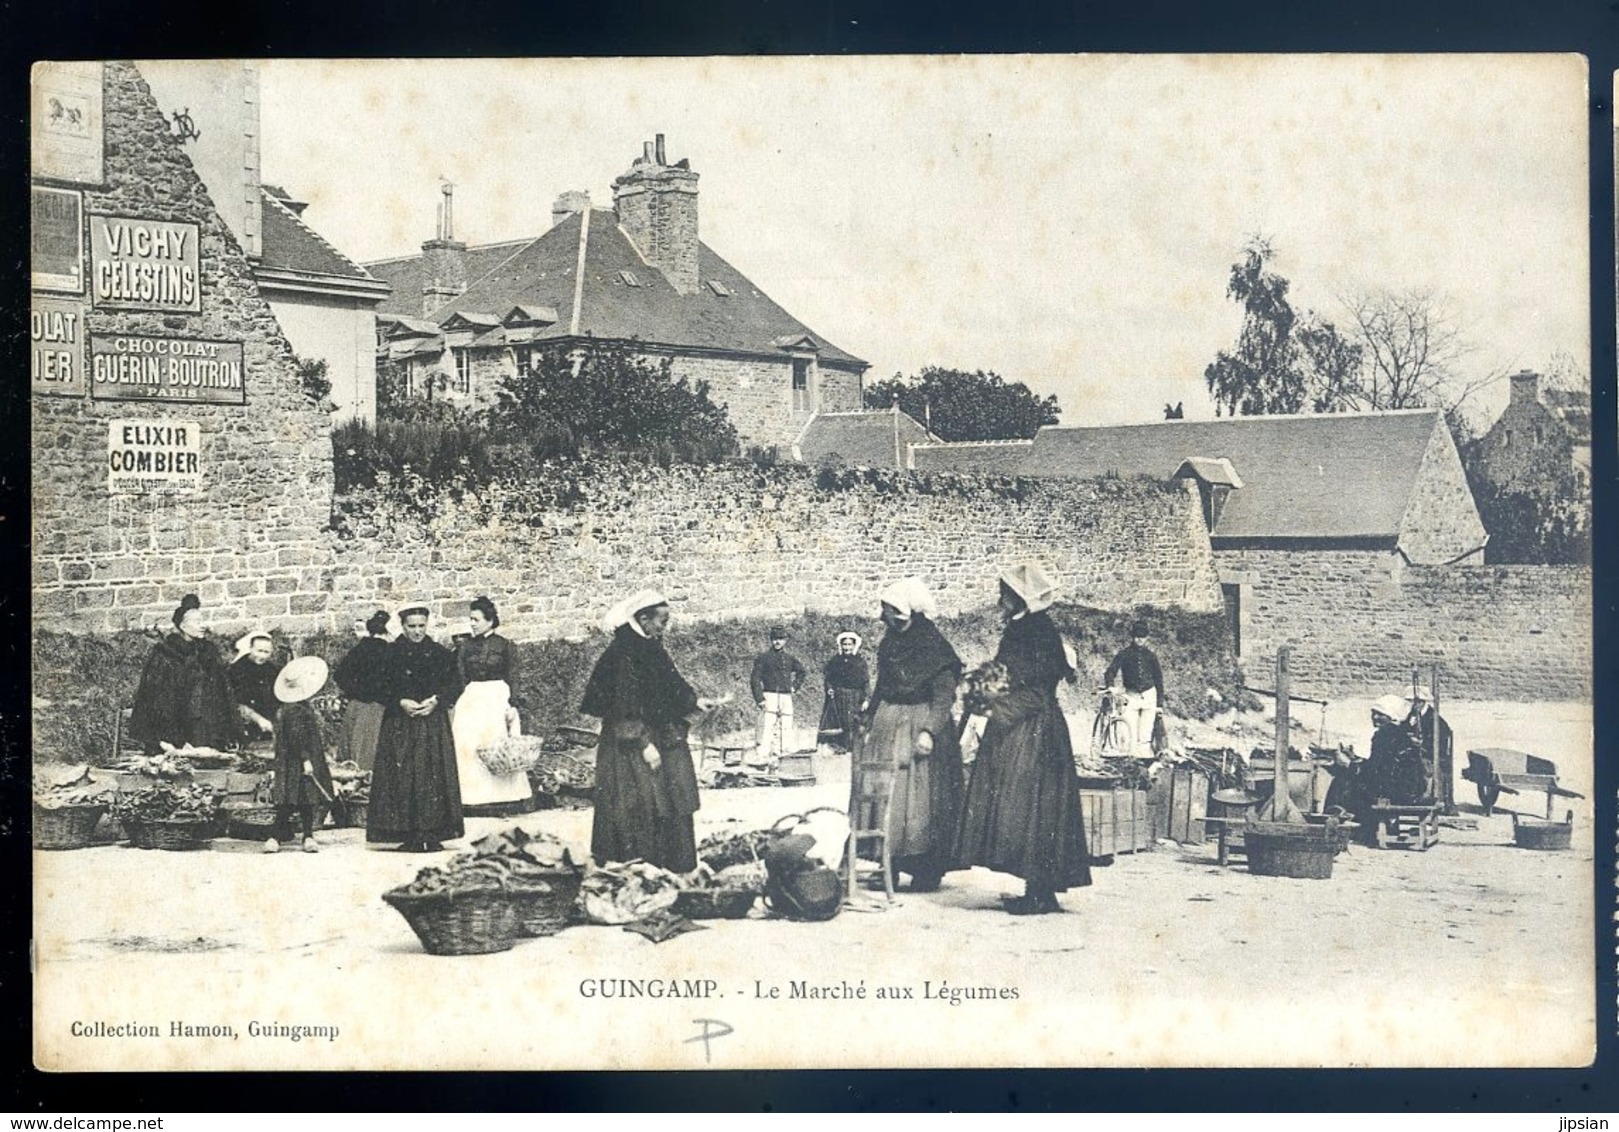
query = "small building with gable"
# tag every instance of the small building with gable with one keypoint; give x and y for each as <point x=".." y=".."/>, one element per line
<point x="1540" y="440"/>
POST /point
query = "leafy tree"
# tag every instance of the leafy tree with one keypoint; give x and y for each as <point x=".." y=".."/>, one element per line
<point x="961" y="405"/>
<point x="1265" y="373"/>
<point x="606" y="400"/>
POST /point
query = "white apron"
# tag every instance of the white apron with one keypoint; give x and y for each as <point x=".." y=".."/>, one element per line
<point x="480" y="720"/>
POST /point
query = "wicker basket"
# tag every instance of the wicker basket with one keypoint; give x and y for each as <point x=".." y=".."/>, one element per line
<point x="188" y="833"/>
<point x="546" y="908"/>
<point x="351" y="814"/>
<point x="715" y="903"/>
<point x="250" y="823"/>
<point x="514" y="754"/>
<point x="66" y="827"/>
<point x="475" y="921"/>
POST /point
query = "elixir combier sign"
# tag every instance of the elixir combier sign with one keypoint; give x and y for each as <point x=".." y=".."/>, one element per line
<point x="131" y="367"/>
<point x="153" y="456"/>
<point x="148" y="265"/>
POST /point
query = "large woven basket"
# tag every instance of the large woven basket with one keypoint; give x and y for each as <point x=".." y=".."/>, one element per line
<point x="475" y="921"/>
<point x="258" y="822"/>
<point x="546" y="908"/>
<point x="169" y="834"/>
<point x="66" y="827"/>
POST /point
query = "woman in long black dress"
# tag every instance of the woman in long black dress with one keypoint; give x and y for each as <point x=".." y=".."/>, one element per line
<point x="848" y="682"/>
<point x="646" y="785"/>
<point x="183" y="697"/>
<point x="363" y="677"/>
<point x="1022" y="814"/>
<point x="911" y="732"/>
<point x="415" y="795"/>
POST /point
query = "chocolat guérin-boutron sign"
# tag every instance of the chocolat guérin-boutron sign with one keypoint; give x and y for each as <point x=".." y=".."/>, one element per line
<point x="153" y="456"/>
<point x="131" y="367"/>
<point x="148" y="265"/>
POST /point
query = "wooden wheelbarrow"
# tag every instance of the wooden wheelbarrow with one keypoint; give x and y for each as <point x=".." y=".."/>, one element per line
<point x="1501" y="770"/>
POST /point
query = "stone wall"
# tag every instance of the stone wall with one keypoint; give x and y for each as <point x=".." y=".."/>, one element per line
<point x="736" y="541"/>
<point x="1359" y="620"/>
<point x="248" y="540"/>
<point x="1441" y="523"/>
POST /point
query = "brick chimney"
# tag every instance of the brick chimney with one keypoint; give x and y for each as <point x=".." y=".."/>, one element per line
<point x="569" y="204"/>
<point x="445" y="259"/>
<point x="1525" y="386"/>
<point x="656" y="205"/>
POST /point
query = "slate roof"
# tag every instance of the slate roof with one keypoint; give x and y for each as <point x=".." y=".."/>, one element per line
<point x="876" y="439"/>
<point x="542" y="272"/>
<point x="1338" y="476"/>
<point x="289" y="244"/>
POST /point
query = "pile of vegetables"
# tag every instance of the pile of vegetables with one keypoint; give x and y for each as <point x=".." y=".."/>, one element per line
<point x="169" y="764"/>
<point x="985" y="684"/>
<point x="75" y="788"/>
<point x="624" y="893"/>
<point x="168" y="804"/>
<point x="509" y="861"/>
<point x="720" y="851"/>
<point x="555" y="770"/>
<point x="350" y="783"/>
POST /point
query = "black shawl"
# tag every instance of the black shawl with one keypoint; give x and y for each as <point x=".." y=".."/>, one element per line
<point x="909" y="660"/>
<point x="635" y="679"/>
<point x="363" y="673"/>
<point x="1031" y="649"/>
<point x="183" y="696"/>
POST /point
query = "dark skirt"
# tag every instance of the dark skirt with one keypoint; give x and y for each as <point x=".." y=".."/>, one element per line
<point x="415" y="795"/>
<point x="839" y="715"/>
<point x="1022" y="815"/>
<point x="643" y="814"/>
<point x="926" y="798"/>
<point x="362" y="724"/>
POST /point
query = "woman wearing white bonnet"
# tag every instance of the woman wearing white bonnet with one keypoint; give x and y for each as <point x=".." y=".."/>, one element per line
<point x="1022" y="815"/>
<point x="917" y="674"/>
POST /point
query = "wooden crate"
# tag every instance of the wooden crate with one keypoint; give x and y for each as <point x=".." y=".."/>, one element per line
<point x="1178" y="804"/>
<point x="1116" y="820"/>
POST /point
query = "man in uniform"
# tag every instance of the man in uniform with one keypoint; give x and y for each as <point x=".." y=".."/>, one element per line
<point x="1143" y="686"/>
<point x="777" y="674"/>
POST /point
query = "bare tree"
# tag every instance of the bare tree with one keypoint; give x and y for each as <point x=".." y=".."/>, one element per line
<point x="1413" y="352"/>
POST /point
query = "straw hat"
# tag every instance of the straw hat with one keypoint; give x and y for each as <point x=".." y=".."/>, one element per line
<point x="1030" y="582"/>
<point x="300" y="680"/>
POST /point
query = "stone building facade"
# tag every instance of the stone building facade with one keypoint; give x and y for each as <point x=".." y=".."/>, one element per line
<point x="244" y="524"/>
<point x="462" y="318"/>
<point x="1540" y="441"/>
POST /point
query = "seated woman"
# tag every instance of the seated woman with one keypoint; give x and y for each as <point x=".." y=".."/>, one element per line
<point x="252" y="682"/>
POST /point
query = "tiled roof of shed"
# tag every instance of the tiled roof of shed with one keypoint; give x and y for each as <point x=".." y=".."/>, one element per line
<point x="876" y="439"/>
<point x="1345" y="475"/>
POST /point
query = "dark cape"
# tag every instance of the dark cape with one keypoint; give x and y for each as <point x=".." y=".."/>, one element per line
<point x="297" y="738"/>
<point x="641" y="813"/>
<point x="415" y="792"/>
<point x="362" y="675"/>
<point x="184" y="696"/>
<point x="917" y="674"/>
<point x="1022" y="815"/>
<point x="847" y="681"/>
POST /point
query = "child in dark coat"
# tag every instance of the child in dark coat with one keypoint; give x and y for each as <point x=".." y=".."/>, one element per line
<point x="303" y="782"/>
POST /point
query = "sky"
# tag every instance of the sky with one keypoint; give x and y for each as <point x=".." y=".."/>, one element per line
<point x="1066" y="221"/>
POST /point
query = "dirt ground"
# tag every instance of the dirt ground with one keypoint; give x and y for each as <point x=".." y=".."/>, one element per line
<point x="1473" y="953"/>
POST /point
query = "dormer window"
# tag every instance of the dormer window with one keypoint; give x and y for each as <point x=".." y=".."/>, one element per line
<point x="719" y="288"/>
<point x="628" y="279"/>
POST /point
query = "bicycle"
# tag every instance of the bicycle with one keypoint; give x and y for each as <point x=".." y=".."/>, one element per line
<point x="1110" y="733"/>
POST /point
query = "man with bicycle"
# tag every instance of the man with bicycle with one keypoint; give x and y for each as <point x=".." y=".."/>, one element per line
<point x="1143" y="686"/>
